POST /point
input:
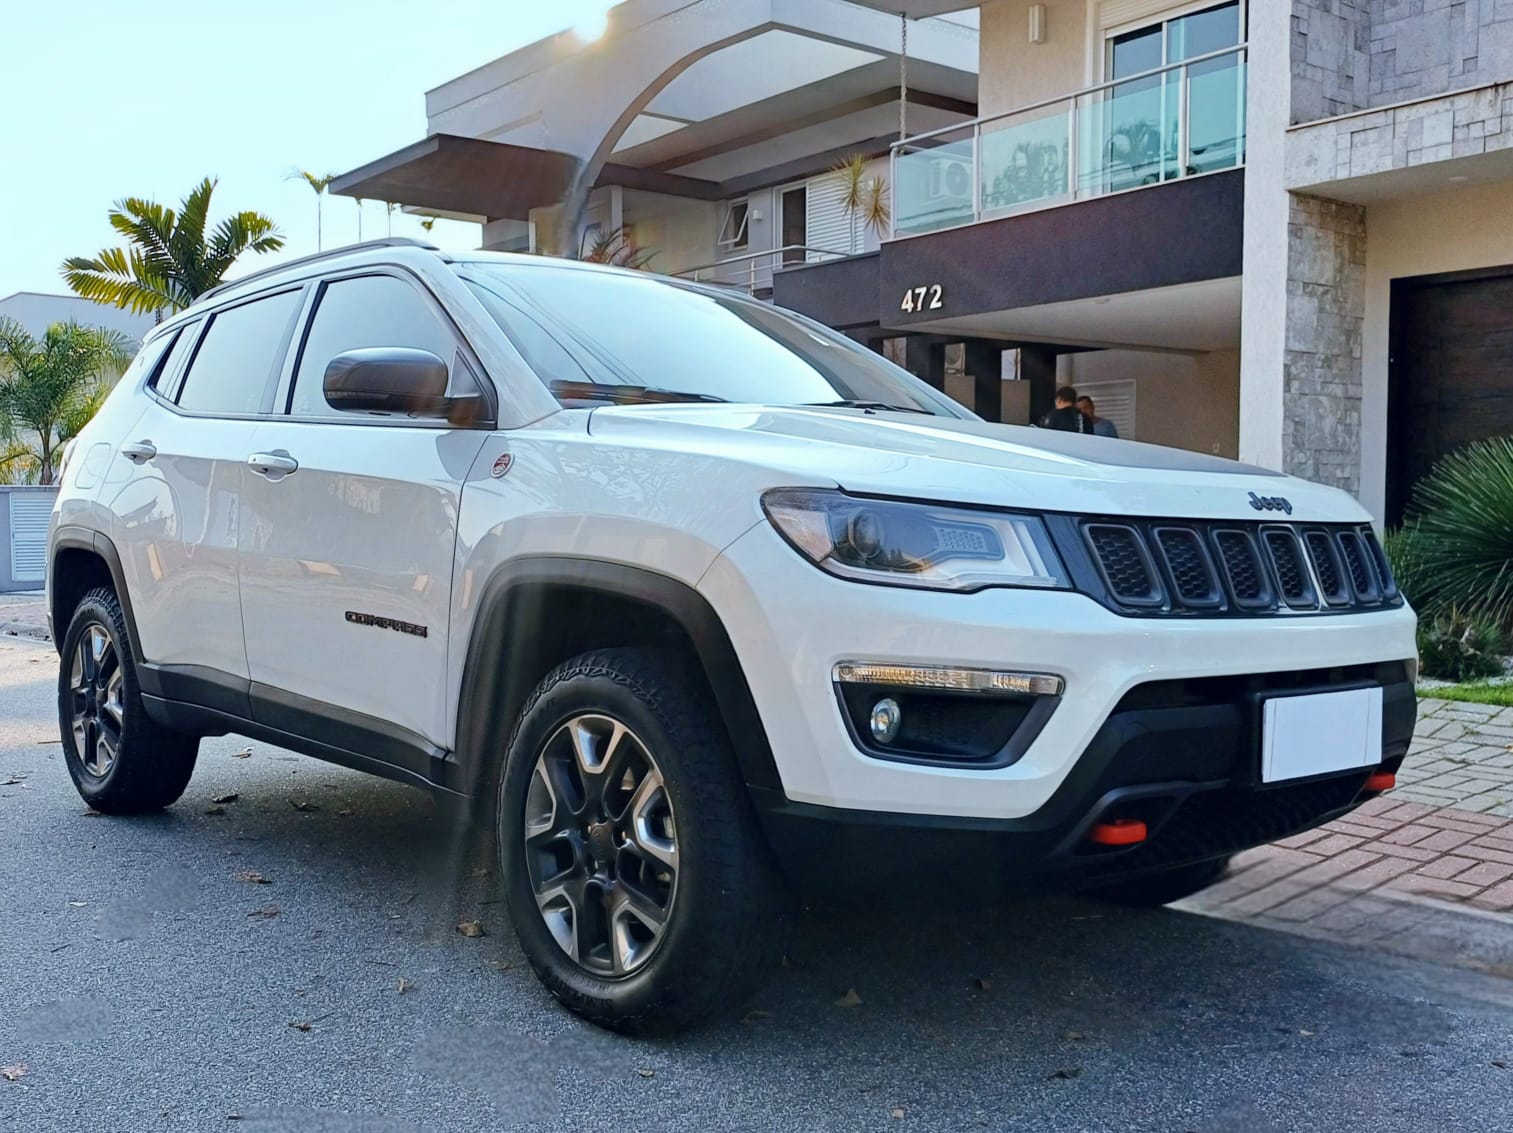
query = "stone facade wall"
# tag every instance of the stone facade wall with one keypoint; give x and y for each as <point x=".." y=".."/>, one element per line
<point x="1326" y="309"/>
<point x="1427" y="47"/>
<point x="1461" y="125"/>
<point x="1350" y="55"/>
<point x="1331" y="58"/>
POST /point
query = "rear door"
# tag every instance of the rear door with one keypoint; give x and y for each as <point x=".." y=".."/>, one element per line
<point x="174" y="494"/>
<point x="347" y="543"/>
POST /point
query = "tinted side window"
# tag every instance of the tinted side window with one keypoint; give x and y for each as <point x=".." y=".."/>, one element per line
<point x="147" y="358"/>
<point x="170" y="372"/>
<point x="239" y="355"/>
<point x="370" y="310"/>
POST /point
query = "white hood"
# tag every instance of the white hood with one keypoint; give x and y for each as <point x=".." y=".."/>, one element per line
<point x="971" y="461"/>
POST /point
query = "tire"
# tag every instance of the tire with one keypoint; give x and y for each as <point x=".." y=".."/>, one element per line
<point x="1152" y="890"/>
<point x="686" y="847"/>
<point x="100" y="704"/>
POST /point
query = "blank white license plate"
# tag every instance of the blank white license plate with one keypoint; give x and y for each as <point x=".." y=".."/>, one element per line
<point x="1320" y="733"/>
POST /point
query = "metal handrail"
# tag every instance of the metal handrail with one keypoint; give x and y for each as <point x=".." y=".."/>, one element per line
<point x="752" y="261"/>
<point x="1043" y="103"/>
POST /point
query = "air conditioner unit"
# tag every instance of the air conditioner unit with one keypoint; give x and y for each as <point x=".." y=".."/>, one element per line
<point x="951" y="180"/>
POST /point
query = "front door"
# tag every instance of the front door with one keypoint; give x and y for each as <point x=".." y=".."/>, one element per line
<point x="349" y="525"/>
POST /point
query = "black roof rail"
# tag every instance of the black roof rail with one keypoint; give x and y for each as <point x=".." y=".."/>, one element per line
<point x="366" y="245"/>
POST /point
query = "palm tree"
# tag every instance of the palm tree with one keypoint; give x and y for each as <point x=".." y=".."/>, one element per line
<point x="50" y="389"/>
<point x="618" y="248"/>
<point x="169" y="261"/>
<point x="863" y="198"/>
<point x="319" y="184"/>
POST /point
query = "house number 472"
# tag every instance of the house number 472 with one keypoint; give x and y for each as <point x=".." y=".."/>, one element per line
<point x="930" y="297"/>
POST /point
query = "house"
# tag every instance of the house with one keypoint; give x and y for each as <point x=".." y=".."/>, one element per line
<point x="1273" y="230"/>
<point x="37" y="311"/>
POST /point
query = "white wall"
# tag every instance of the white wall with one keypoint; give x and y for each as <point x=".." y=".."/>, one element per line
<point x="1189" y="401"/>
<point x="1263" y="303"/>
<point x="1454" y="231"/>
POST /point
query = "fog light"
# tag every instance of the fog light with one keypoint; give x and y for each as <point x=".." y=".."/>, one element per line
<point x="887" y="717"/>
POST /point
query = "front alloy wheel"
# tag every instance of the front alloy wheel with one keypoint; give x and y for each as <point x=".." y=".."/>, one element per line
<point x="601" y="845"/>
<point x="636" y="873"/>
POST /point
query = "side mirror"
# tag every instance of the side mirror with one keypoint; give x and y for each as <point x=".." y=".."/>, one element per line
<point x="388" y="379"/>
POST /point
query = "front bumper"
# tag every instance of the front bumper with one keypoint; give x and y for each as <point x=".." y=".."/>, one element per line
<point x="1182" y="756"/>
<point x="791" y="624"/>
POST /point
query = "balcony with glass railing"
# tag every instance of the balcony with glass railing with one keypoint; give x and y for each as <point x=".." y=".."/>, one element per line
<point x="1183" y="120"/>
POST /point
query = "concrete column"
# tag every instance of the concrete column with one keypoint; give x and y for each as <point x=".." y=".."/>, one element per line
<point x="984" y="365"/>
<point x="1037" y="365"/>
<point x="925" y="358"/>
<point x="1326" y="310"/>
<point x="1263" y="316"/>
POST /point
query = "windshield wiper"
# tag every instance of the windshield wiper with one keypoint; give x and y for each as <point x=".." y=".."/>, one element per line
<point x="868" y="405"/>
<point x="628" y="395"/>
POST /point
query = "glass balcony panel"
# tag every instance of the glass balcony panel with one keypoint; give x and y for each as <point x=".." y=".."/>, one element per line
<point x="933" y="186"/>
<point x="1216" y="114"/>
<point x="1025" y="160"/>
<point x="1182" y="121"/>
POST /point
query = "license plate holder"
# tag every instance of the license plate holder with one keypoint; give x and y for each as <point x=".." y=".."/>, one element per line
<point x="1322" y="733"/>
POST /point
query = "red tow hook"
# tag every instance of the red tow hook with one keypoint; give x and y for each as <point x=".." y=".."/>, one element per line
<point x="1379" y="781"/>
<point x="1117" y="832"/>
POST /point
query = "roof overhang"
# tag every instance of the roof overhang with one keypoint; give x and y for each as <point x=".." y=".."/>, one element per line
<point x="916" y="9"/>
<point x="448" y="174"/>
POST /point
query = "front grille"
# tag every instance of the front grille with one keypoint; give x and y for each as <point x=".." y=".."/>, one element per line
<point x="1194" y="581"/>
<point x="1126" y="567"/>
<point x="1286" y="556"/>
<point x="1206" y="568"/>
<point x="1326" y="567"/>
<point x="1243" y="568"/>
<point x="1359" y="566"/>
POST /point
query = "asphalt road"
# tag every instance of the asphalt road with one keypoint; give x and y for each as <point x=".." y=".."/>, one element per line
<point x="146" y="984"/>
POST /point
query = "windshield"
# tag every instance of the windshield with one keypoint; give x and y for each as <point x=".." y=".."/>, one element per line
<point x="597" y="337"/>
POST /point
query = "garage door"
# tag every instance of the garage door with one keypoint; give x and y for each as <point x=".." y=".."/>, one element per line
<point x="1451" y="375"/>
<point x="30" y="512"/>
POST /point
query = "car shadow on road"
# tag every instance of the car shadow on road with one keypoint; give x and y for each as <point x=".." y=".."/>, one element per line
<point x="977" y="1016"/>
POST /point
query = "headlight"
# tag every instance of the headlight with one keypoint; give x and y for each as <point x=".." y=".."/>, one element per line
<point x="909" y="544"/>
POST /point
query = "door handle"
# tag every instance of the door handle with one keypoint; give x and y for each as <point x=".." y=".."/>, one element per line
<point x="274" y="465"/>
<point x="140" y="452"/>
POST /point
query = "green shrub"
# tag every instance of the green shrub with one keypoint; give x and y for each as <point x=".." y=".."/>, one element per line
<point x="1405" y="548"/>
<point x="1459" y="647"/>
<point x="1462" y="544"/>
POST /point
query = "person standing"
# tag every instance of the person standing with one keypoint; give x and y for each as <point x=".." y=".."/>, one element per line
<point x="1066" y="417"/>
<point x="1101" y="425"/>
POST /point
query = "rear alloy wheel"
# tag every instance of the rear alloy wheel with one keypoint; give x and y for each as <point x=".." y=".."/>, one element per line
<point x="636" y="873"/>
<point x="121" y="762"/>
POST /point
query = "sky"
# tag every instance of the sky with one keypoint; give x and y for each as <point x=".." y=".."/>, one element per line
<point x="101" y="100"/>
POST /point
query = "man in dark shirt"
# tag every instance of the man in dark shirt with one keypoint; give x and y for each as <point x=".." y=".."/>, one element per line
<point x="1066" y="416"/>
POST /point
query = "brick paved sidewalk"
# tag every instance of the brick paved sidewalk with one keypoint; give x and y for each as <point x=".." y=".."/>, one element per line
<point x="1426" y="870"/>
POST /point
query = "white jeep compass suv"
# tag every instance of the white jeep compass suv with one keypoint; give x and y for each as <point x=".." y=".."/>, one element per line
<point x="696" y="600"/>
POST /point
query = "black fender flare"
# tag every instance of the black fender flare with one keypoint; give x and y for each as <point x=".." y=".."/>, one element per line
<point x="481" y="714"/>
<point x="72" y="537"/>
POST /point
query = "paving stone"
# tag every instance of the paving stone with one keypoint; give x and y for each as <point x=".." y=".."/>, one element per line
<point x="1445" y="867"/>
<point x="1432" y="886"/>
<point x="1487" y="873"/>
<point x="1498" y="897"/>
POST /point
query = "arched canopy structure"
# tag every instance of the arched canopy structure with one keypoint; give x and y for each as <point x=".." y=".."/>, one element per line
<point x="701" y="100"/>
